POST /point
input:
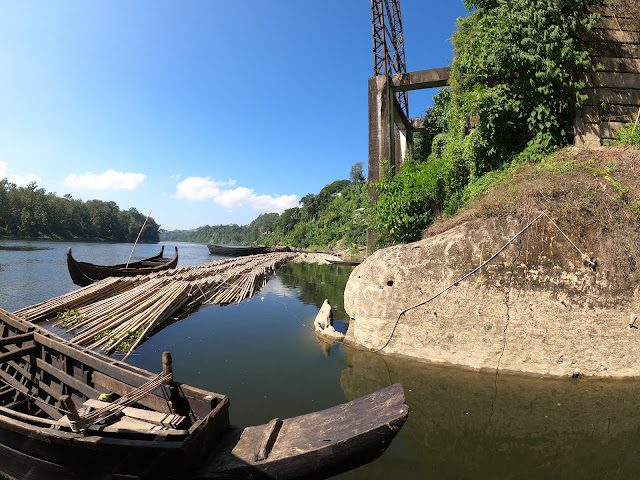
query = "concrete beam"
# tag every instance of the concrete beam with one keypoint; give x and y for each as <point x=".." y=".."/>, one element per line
<point x="417" y="123"/>
<point x="380" y="125"/>
<point x="434" y="77"/>
<point x="403" y="139"/>
<point x="399" y="117"/>
<point x="388" y="145"/>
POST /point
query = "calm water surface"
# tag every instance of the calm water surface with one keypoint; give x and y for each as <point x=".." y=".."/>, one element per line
<point x="264" y="355"/>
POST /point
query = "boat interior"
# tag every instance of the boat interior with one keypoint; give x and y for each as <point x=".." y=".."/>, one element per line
<point x="48" y="383"/>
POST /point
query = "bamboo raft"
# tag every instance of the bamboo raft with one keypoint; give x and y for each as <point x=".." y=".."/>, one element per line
<point x="119" y="313"/>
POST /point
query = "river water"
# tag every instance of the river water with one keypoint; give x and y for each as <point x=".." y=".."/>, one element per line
<point x="264" y="355"/>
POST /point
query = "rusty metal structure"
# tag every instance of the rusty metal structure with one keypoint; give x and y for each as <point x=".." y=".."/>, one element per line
<point x="388" y="43"/>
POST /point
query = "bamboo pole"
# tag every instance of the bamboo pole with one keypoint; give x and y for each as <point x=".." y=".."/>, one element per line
<point x="129" y="304"/>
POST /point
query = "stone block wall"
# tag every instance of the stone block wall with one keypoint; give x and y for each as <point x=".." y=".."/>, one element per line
<point x="613" y="85"/>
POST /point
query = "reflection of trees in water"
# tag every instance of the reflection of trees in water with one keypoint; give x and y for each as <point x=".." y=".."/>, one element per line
<point x="317" y="283"/>
<point x="460" y="426"/>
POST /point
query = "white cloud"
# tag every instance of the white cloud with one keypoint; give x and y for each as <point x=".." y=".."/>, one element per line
<point x="203" y="188"/>
<point x="109" y="180"/>
<point x="271" y="204"/>
<point x="199" y="188"/>
<point x="20" y="180"/>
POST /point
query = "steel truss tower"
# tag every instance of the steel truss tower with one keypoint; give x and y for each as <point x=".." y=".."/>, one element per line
<point x="388" y="43"/>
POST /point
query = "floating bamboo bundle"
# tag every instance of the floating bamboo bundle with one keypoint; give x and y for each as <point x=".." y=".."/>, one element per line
<point x="119" y="313"/>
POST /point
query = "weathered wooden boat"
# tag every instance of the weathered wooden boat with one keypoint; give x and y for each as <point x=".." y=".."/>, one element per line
<point x="235" y="250"/>
<point x="84" y="273"/>
<point x="345" y="262"/>
<point x="55" y="422"/>
<point x="279" y="249"/>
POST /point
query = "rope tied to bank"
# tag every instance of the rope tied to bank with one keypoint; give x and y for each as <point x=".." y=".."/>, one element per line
<point x="591" y="263"/>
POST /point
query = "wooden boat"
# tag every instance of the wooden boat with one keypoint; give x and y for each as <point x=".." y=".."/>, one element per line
<point x="235" y="250"/>
<point x="53" y="424"/>
<point x="346" y="262"/>
<point x="83" y="273"/>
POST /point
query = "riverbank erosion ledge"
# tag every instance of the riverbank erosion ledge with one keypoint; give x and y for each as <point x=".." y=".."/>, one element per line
<point x="545" y="305"/>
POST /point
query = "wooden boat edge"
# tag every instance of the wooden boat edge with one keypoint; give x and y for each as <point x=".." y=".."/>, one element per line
<point x="240" y="251"/>
<point x="366" y="442"/>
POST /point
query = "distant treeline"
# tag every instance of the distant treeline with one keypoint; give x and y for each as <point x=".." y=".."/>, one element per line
<point x="32" y="213"/>
<point x="224" y="234"/>
<point x="336" y="214"/>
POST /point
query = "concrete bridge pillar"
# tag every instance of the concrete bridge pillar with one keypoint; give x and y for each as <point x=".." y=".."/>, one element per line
<point x="390" y="131"/>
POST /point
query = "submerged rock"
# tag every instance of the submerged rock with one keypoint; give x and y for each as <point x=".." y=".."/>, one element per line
<point x="323" y="324"/>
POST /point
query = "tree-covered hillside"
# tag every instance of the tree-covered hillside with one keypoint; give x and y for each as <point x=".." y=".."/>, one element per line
<point x="335" y="214"/>
<point x="32" y="213"/>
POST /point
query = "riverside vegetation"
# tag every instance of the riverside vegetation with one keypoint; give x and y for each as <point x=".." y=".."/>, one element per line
<point x="335" y="216"/>
<point x="515" y="87"/>
<point x="31" y="213"/>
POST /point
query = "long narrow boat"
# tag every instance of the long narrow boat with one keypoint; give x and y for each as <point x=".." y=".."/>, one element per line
<point x="84" y="273"/>
<point x="70" y="413"/>
<point x="235" y="250"/>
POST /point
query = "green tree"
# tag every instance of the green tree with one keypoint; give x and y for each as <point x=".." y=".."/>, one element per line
<point x="356" y="175"/>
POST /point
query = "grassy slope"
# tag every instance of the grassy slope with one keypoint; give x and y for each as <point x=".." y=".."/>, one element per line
<point x="593" y="195"/>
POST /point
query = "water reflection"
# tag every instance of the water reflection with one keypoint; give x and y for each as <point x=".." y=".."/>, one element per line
<point x="315" y="283"/>
<point x="472" y="425"/>
<point x="265" y="355"/>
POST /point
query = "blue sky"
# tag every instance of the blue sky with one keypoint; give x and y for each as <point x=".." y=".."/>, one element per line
<point x="203" y="112"/>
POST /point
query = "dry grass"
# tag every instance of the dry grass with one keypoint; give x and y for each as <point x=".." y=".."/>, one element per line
<point x="593" y="195"/>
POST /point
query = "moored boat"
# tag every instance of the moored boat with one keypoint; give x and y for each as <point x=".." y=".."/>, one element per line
<point x="235" y="250"/>
<point x="84" y="273"/>
<point x="68" y="412"/>
<point x="345" y="261"/>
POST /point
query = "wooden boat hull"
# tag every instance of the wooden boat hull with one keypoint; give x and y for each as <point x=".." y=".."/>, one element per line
<point x="37" y="368"/>
<point x="84" y="273"/>
<point x="235" y="251"/>
<point x="313" y="446"/>
<point x="347" y="263"/>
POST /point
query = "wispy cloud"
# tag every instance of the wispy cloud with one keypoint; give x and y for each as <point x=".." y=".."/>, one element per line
<point x="109" y="180"/>
<point x="203" y="188"/>
<point x="20" y="180"/>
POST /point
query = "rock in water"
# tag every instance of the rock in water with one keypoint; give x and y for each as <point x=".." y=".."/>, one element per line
<point x="324" y="323"/>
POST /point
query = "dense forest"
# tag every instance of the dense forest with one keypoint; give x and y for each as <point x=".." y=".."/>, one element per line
<point x="334" y="215"/>
<point x="32" y="213"/>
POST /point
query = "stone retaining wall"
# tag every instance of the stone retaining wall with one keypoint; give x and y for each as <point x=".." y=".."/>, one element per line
<point x="613" y="87"/>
